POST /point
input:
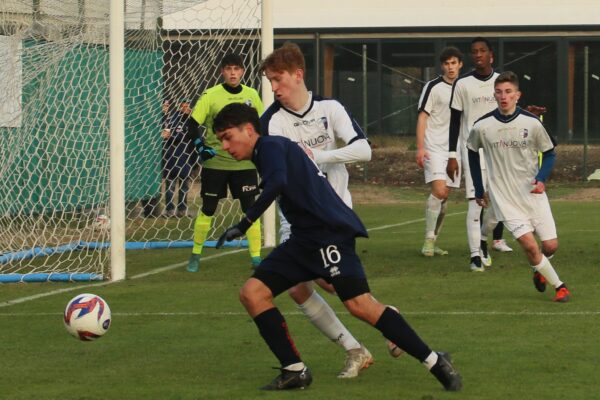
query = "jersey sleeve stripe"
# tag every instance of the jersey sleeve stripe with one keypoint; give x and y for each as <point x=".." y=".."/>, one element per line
<point x="265" y="118"/>
<point x="427" y="91"/>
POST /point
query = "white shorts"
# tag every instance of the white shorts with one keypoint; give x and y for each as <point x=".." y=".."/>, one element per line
<point x="469" y="187"/>
<point x="542" y="224"/>
<point x="435" y="170"/>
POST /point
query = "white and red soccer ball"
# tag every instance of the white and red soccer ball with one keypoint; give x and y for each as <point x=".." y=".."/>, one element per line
<point x="87" y="317"/>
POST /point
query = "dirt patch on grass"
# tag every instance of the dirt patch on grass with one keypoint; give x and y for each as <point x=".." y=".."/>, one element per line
<point x="586" y="194"/>
<point x="395" y="165"/>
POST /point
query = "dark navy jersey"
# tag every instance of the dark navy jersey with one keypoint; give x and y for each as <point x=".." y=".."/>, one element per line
<point x="306" y="199"/>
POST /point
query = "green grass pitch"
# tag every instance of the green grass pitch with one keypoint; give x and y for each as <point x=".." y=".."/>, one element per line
<point x="177" y="335"/>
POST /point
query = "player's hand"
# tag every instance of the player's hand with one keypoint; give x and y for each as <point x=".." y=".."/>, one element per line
<point x="537" y="110"/>
<point x="231" y="233"/>
<point x="483" y="201"/>
<point x="422" y="155"/>
<point x="538" y="187"/>
<point x="452" y="168"/>
<point x="204" y="152"/>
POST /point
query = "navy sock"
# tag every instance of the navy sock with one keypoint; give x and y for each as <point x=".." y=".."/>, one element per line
<point x="483" y="246"/>
<point x="273" y="329"/>
<point x="396" y="329"/>
<point x="498" y="230"/>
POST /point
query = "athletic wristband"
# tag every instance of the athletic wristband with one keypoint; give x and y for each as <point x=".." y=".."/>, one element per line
<point x="451" y="154"/>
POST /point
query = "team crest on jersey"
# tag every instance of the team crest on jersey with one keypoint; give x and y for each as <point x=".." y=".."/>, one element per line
<point x="324" y="122"/>
<point x="524" y="133"/>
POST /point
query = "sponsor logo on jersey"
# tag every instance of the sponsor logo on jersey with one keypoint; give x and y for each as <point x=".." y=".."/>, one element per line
<point x="334" y="271"/>
<point x="248" y="188"/>
<point x="248" y="103"/>
<point x="509" y="144"/>
<point x="483" y="99"/>
<point x="317" y="140"/>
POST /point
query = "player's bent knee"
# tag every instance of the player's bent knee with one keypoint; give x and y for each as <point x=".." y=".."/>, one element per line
<point x="365" y="307"/>
<point x="301" y="292"/>
<point x="255" y="294"/>
<point x="549" y="247"/>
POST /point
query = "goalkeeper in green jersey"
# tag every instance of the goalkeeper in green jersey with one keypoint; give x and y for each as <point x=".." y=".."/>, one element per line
<point x="219" y="169"/>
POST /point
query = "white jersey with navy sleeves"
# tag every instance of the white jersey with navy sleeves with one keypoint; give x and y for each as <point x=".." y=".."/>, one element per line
<point x="511" y="145"/>
<point x="318" y="127"/>
<point x="306" y="199"/>
<point x="435" y="101"/>
<point x="473" y="95"/>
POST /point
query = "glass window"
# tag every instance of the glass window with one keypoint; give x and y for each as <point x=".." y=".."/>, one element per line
<point x="343" y="78"/>
<point x="593" y="97"/>
<point x="406" y="67"/>
<point x="535" y="64"/>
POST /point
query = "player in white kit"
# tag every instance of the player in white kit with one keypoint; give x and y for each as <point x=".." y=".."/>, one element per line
<point x="316" y="123"/>
<point x="511" y="139"/>
<point x="472" y="97"/>
<point x="432" y="145"/>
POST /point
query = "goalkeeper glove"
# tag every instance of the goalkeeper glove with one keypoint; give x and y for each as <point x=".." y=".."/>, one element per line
<point x="204" y="152"/>
<point x="234" y="232"/>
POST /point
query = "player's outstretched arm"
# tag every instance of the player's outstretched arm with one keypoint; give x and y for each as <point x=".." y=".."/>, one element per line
<point x="356" y="151"/>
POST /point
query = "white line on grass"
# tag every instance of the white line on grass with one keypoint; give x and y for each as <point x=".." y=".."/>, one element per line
<point x="379" y="228"/>
<point x="295" y="313"/>
<point x="138" y="276"/>
<point x="173" y="266"/>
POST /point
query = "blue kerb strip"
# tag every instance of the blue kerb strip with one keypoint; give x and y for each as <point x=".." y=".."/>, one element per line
<point x="49" y="277"/>
<point x="76" y="246"/>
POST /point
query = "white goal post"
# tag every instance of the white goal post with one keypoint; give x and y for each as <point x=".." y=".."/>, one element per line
<point x="83" y="88"/>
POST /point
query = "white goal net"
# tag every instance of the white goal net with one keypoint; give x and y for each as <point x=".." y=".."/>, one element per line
<point x="54" y="124"/>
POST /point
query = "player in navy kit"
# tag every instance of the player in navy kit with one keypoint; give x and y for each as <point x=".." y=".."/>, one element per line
<point x="321" y="245"/>
<point x="332" y="138"/>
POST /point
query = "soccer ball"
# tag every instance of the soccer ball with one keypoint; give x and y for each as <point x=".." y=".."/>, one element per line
<point x="394" y="350"/>
<point x="87" y="317"/>
<point x="102" y="222"/>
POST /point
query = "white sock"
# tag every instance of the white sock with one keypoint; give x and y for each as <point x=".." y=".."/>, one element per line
<point x="431" y="360"/>
<point x="474" y="227"/>
<point x="432" y="212"/>
<point x="323" y="317"/>
<point x="548" y="272"/>
<point x="295" y="367"/>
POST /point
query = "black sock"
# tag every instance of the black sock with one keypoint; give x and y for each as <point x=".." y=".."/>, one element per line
<point x="396" y="329"/>
<point x="498" y="230"/>
<point x="273" y="329"/>
<point x="483" y="247"/>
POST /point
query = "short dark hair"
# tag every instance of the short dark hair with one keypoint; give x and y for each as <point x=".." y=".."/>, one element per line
<point x="232" y="59"/>
<point x="449" y="52"/>
<point x="483" y="40"/>
<point x="236" y="114"/>
<point x="507" y="76"/>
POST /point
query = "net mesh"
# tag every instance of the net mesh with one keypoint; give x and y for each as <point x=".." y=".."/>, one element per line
<point x="54" y="131"/>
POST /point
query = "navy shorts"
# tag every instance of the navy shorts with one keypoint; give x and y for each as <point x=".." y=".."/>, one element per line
<point x="241" y="183"/>
<point x="296" y="261"/>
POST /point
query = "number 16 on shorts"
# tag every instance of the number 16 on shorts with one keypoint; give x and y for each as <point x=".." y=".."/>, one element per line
<point x="331" y="258"/>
